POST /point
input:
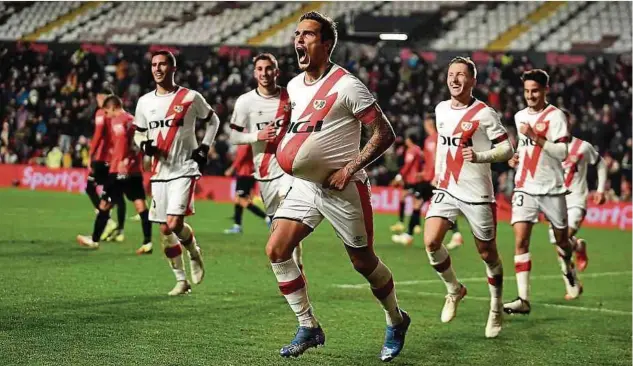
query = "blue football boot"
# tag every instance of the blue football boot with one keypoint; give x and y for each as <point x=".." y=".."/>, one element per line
<point x="304" y="339"/>
<point x="394" y="338"/>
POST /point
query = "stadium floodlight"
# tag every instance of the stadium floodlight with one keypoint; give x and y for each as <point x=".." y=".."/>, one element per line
<point x="393" y="37"/>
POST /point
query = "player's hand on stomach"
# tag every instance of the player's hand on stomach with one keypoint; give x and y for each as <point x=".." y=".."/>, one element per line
<point x="338" y="180"/>
<point x="148" y="148"/>
<point x="469" y="154"/>
<point x="514" y="161"/>
<point x="268" y="133"/>
<point x="200" y="155"/>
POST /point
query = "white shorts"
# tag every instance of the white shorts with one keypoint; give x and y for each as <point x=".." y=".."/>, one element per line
<point x="525" y="208"/>
<point x="349" y="211"/>
<point x="274" y="191"/>
<point x="482" y="217"/>
<point x="575" y="216"/>
<point x="174" y="197"/>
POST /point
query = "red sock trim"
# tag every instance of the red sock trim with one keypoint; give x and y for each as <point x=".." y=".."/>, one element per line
<point x="289" y="287"/>
<point x="496" y="280"/>
<point x="384" y="291"/>
<point x="173" y="252"/>
<point x="523" y="266"/>
<point x="441" y="267"/>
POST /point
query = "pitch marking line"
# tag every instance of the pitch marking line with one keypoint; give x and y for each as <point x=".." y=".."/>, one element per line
<point x="486" y="299"/>
<point x="483" y="279"/>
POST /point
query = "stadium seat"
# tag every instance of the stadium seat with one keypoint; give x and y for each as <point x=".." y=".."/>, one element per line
<point x="33" y="17"/>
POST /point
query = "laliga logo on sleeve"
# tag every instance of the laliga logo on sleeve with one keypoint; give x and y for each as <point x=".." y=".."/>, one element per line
<point x="318" y="104"/>
<point x="178" y="108"/>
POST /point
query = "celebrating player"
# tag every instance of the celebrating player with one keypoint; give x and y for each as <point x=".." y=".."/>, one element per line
<point x="125" y="176"/>
<point x="467" y="129"/>
<point x="99" y="155"/>
<point x="257" y="118"/>
<point x="243" y="168"/>
<point x="539" y="186"/>
<point x="321" y="150"/>
<point x="579" y="156"/>
<point x="165" y="130"/>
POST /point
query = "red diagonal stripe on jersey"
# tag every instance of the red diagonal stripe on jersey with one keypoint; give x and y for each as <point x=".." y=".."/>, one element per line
<point x="454" y="164"/>
<point x="164" y="144"/>
<point x="530" y="161"/>
<point x="286" y="155"/>
<point x="573" y="165"/>
<point x="283" y="110"/>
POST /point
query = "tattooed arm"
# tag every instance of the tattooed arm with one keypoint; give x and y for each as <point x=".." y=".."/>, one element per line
<point x="382" y="138"/>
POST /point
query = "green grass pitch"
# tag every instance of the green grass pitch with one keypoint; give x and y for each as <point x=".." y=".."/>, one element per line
<point x="62" y="304"/>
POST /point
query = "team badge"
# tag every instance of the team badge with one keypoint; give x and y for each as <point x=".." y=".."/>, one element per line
<point x="540" y="127"/>
<point x="286" y="107"/>
<point x="178" y="108"/>
<point x="318" y="104"/>
<point x="466" y="126"/>
<point x="574" y="159"/>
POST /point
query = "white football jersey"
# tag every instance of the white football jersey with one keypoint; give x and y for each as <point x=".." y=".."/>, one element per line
<point x="538" y="173"/>
<point x="325" y="125"/>
<point x="170" y="120"/>
<point x="252" y="113"/>
<point x="581" y="154"/>
<point x="477" y="126"/>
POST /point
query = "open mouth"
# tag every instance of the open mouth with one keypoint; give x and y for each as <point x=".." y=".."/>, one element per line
<point x="158" y="75"/>
<point x="302" y="55"/>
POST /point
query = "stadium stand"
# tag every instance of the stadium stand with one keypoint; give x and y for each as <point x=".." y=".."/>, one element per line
<point x="34" y="16"/>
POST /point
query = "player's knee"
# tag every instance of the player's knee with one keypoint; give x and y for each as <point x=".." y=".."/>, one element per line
<point x="164" y="229"/>
<point x="488" y="255"/>
<point x="175" y="225"/>
<point x="431" y="242"/>
<point x="364" y="262"/>
<point x="277" y="251"/>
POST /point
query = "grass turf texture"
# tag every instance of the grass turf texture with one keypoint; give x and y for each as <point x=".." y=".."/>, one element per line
<point x="62" y="304"/>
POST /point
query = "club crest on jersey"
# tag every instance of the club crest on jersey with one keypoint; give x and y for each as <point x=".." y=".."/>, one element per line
<point x="574" y="159"/>
<point x="318" y="104"/>
<point x="466" y="126"/>
<point x="540" y="127"/>
<point x="287" y="107"/>
<point x="178" y="108"/>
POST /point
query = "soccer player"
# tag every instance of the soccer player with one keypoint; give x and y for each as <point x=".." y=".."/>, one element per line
<point x="467" y="129"/>
<point x="165" y="122"/>
<point x="580" y="154"/>
<point x="125" y="176"/>
<point x="258" y="118"/>
<point x="99" y="155"/>
<point x="539" y="186"/>
<point x="321" y="149"/>
<point x="410" y="179"/>
<point x="245" y="183"/>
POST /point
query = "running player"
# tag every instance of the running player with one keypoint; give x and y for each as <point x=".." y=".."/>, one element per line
<point x="321" y="149"/>
<point x="579" y="156"/>
<point x="540" y="186"/>
<point x="244" y="185"/>
<point x="125" y="176"/>
<point x="165" y="122"/>
<point x="258" y="117"/>
<point x="467" y="129"/>
<point x="99" y="155"/>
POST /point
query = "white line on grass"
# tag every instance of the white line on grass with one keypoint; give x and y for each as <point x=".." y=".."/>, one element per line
<point x="567" y="307"/>
<point x="483" y="279"/>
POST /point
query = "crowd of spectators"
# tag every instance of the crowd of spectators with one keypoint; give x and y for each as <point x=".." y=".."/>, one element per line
<point x="47" y="101"/>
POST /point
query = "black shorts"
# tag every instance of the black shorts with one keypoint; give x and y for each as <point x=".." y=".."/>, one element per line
<point x="244" y="185"/>
<point x="99" y="172"/>
<point x="131" y="187"/>
<point x="423" y="190"/>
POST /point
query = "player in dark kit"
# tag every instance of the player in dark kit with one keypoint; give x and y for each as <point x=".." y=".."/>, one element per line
<point x="125" y="176"/>
<point x="243" y="168"/>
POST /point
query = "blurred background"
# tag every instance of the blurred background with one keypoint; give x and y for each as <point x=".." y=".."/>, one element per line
<point x="55" y="57"/>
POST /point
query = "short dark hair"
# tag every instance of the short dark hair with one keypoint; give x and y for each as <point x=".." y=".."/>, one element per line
<point x="538" y="75"/>
<point x="170" y="56"/>
<point x="413" y="137"/>
<point x="466" y="61"/>
<point x="266" y="56"/>
<point x="113" y="98"/>
<point x="328" y="27"/>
